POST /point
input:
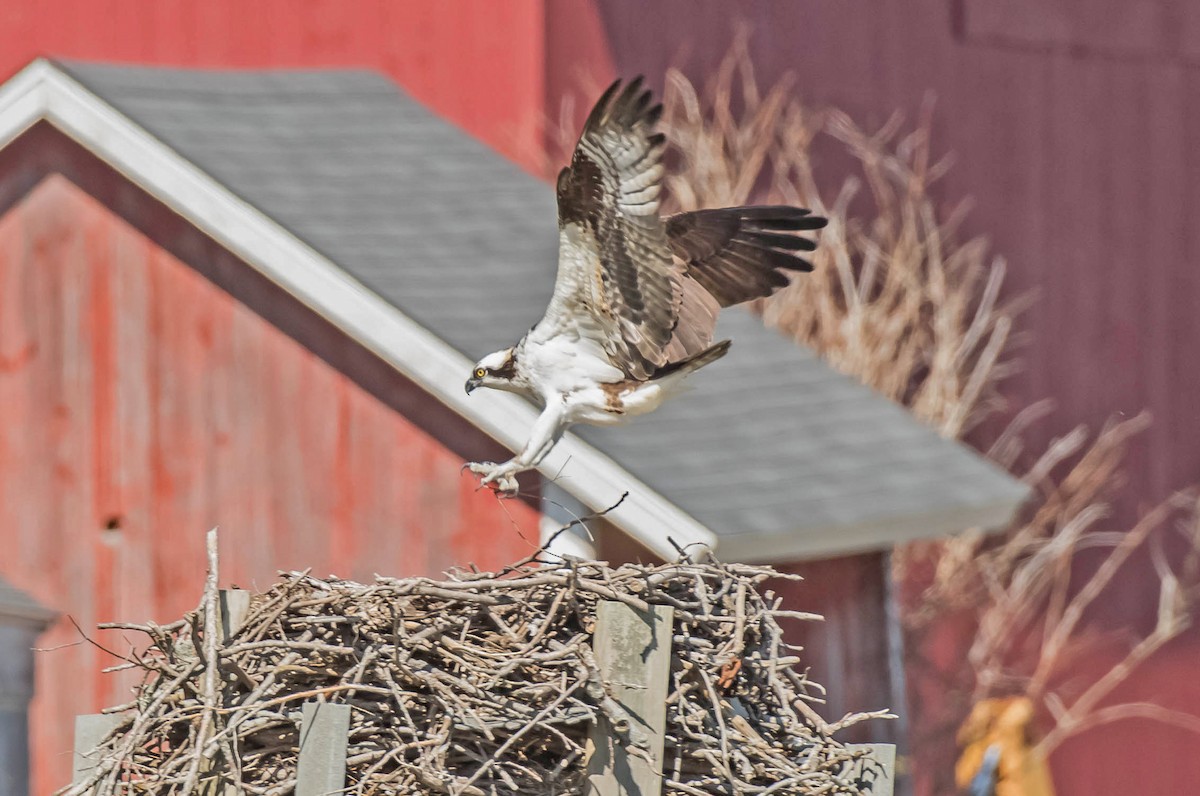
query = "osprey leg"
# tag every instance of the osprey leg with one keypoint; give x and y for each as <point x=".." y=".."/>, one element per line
<point x="545" y="432"/>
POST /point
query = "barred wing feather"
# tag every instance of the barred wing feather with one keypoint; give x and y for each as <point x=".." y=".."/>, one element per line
<point x="648" y="290"/>
<point x="615" y="260"/>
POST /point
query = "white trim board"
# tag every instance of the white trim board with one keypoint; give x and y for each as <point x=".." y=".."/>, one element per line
<point x="43" y="91"/>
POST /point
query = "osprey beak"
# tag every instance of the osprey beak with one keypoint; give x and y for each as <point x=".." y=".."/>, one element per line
<point x="472" y="383"/>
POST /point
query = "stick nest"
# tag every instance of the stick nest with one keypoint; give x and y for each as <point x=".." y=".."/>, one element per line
<point x="479" y="684"/>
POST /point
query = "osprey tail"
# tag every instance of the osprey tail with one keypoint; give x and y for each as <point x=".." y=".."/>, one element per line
<point x="693" y="363"/>
<point x="668" y="380"/>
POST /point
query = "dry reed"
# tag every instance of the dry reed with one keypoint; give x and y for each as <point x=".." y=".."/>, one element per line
<point x="895" y="300"/>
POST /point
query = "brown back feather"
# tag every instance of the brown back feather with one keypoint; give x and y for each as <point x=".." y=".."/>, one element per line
<point x="611" y="191"/>
<point x="649" y="312"/>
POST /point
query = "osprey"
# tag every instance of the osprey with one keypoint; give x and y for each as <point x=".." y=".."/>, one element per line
<point x="636" y="296"/>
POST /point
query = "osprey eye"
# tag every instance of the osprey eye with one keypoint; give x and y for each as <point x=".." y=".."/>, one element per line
<point x="479" y="373"/>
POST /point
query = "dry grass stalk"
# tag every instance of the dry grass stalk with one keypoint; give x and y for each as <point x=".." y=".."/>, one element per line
<point x="1032" y="618"/>
<point x="900" y="303"/>
<point x="479" y="684"/>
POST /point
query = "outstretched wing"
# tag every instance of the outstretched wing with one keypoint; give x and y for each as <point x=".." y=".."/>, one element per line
<point x="742" y="253"/>
<point x="615" y="262"/>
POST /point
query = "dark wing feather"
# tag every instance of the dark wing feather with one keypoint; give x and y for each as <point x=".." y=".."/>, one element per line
<point x="615" y="261"/>
<point x="742" y="253"/>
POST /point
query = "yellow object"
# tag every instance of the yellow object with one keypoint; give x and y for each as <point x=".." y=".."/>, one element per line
<point x="1001" y="726"/>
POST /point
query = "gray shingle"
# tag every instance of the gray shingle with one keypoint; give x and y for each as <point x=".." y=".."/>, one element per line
<point x="405" y="202"/>
<point x="770" y="443"/>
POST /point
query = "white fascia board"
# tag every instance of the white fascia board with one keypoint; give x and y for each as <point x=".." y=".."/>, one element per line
<point x="42" y="91"/>
<point x="23" y="101"/>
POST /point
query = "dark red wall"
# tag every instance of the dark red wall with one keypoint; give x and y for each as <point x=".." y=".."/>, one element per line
<point x="1075" y="126"/>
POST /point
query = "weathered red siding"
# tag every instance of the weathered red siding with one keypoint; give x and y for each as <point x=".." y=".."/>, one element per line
<point x="142" y="405"/>
<point x="477" y="62"/>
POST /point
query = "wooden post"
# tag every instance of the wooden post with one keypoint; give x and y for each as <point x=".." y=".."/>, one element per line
<point x="633" y="652"/>
<point x="880" y="770"/>
<point x="321" y="768"/>
<point x="234" y="605"/>
<point x="90" y="730"/>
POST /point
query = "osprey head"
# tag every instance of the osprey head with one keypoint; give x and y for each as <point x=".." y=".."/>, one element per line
<point x="497" y="370"/>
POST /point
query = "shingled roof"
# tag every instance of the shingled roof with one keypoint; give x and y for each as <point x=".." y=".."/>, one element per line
<point x="335" y="181"/>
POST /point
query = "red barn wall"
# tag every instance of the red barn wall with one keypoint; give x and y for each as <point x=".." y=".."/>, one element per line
<point x="143" y="405"/>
